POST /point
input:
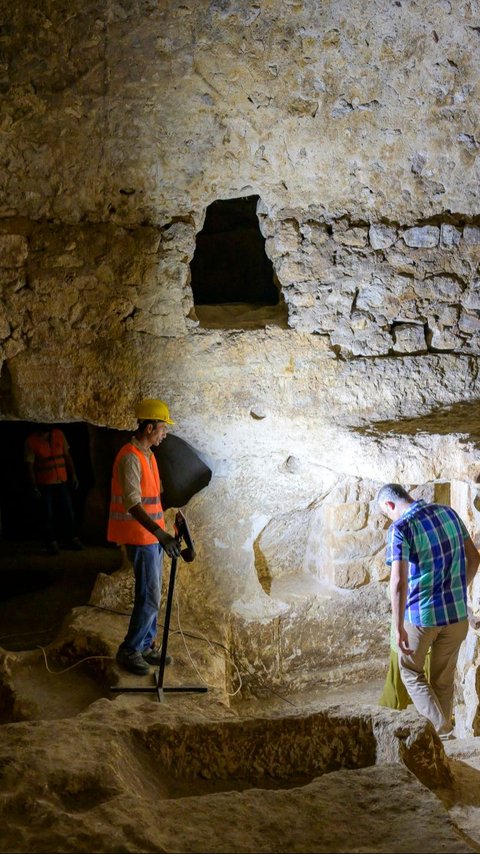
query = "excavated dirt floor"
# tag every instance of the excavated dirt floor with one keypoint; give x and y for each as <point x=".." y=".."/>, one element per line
<point x="87" y="769"/>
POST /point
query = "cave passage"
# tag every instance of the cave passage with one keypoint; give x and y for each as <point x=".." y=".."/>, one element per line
<point x="17" y="506"/>
<point x="38" y="589"/>
<point x="233" y="281"/>
<point x="93" y="450"/>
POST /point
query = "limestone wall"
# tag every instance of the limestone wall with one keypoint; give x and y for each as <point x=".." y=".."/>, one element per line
<point x="369" y="291"/>
<point x="131" y="110"/>
<point x="356" y="124"/>
<point x="378" y="288"/>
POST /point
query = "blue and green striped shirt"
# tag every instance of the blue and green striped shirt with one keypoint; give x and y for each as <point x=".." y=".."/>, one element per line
<point x="431" y="538"/>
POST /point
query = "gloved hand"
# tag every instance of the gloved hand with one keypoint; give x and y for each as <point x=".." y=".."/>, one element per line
<point x="169" y="544"/>
<point x="36" y="493"/>
<point x="75" y="482"/>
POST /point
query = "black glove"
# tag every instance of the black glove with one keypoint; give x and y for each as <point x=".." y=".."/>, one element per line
<point x="169" y="544"/>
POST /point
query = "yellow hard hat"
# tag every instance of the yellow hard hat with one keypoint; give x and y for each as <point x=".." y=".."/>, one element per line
<point x="157" y="410"/>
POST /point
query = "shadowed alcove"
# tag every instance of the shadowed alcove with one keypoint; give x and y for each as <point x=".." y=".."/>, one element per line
<point x="38" y="589"/>
<point x="93" y="451"/>
<point x="233" y="281"/>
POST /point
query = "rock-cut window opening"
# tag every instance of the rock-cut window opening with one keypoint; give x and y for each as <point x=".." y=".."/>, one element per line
<point x="233" y="281"/>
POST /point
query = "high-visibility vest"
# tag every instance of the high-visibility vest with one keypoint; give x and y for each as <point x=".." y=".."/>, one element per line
<point x="49" y="465"/>
<point x="122" y="527"/>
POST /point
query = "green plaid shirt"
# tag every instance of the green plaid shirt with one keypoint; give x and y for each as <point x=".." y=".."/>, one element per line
<point x="431" y="538"/>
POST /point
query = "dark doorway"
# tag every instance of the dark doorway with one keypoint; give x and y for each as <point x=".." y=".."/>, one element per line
<point x="18" y="515"/>
<point x="93" y="450"/>
<point x="230" y="271"/>
<point x="38" y="589"/>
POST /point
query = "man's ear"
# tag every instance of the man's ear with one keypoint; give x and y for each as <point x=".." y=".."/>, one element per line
<point x="387" y="507"/>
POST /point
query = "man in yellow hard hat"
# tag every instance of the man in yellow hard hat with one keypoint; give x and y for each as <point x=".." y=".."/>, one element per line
<point x="136" y="520"/>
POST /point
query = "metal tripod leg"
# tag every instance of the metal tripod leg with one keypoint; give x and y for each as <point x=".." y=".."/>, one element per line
<point x="160" y="671"/>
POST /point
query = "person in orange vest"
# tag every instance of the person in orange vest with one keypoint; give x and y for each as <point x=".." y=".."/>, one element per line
<point x="50" y="468"/>
<point x="136" y="521"/>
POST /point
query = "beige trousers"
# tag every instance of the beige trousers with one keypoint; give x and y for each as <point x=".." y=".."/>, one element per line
<point x="434" y="700"/>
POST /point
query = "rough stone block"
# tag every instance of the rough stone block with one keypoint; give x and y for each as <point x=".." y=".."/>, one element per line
<point x="372" y="296"/>
<point x="472" y="345"/>
<point x="471" y="235"/>
<point x="369" y="339"/>
<point x="449" y="236"/>
<point x="382" y="236"/>
<point x="13" y="250"/>
<point x="469" y="322"/>
<point x="442" y="288"/>
<point x="445" y="339"/>
<point x="377" y="568"/>
<point x="445" y="315"/>
<point x="471" y="296"/>
<point x="352" y="545"/>
<point x="346" y="517"/>
<point x="409" y="338"/>
<point x="315" y="233"/>
<point x="349" y="574"/>
<point x="114" y="591"/>
<point x="356" y="236"/>
<point x="400" y="262"/>
<point x="287" y="237"/>
<point x="422" y="237"/>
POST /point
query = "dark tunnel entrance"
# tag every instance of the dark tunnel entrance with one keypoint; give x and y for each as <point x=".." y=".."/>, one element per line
<point x="233" y="281"/>
<point x="93" y="449"/>
<point x="17" y="505"/>
<point x="39" y="588"/>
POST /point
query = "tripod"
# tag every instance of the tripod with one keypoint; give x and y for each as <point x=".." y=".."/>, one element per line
<point x="188" y="554"/>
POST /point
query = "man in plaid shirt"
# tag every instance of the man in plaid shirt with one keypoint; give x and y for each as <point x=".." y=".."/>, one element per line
<point x="433" y="560"/>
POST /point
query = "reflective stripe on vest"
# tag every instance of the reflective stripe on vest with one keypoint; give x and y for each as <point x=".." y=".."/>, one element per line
<point x="122" y="527"/>
<point x="49" y="464"/>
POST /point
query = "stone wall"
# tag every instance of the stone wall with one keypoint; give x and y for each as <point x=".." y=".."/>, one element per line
<point x="370" y="291"/>
<point x="64" y="284"/>
<point x="379" y="288"/>
<point x="357" y="126"/>
<point x="131" y="111"/>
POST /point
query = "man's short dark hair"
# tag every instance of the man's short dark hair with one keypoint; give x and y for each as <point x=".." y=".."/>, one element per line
<point x="142" y="425"/>
<point x="392" y="492"/>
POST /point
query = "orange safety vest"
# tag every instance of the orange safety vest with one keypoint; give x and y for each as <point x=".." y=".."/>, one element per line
<point x="49" y="464"/>
<point x="122" y="527"/>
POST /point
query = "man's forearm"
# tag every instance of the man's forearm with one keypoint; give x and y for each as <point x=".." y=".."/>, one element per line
<point x="142" y="516"/>
<point x="398" y="592"/>
<point x="70" y="467"/>
<point x="167" y="542"/>
<point x="472" y="558"/>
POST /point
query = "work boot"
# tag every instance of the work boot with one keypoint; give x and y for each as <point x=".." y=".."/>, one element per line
<point x="153" y="655"/>
<point x="133" y="661"/>
<point x="75" y="544"/>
